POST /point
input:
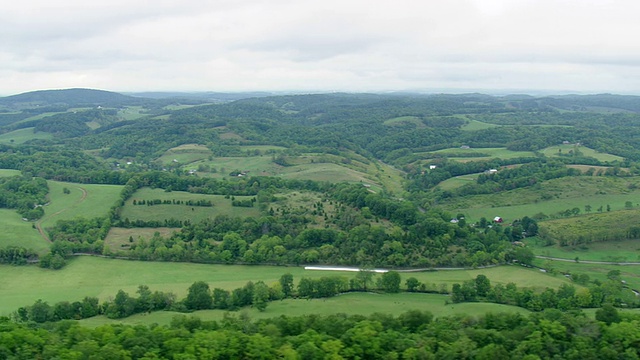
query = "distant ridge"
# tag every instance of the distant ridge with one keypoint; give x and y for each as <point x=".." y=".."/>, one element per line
<point x="203" y="96"/>
<point x="69" y="97"/>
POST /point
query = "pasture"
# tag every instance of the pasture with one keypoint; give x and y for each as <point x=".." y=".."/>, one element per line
<point x="475" y="154"/>
<point x="475" y="125"/>
<point x="185" y="154"/>
<point x="405" y="120"/>
<point x="629" y="273"/>
<point x="351" y="303"/>
<point x="16" y="232"/>
<point x="613" y="251"/>
<point x="23" y="135"/>
<point x="102" y="278"/>
<point x="118" y="238"/>
<point x="9" y="172"/>
<point x="182" y="212"/>
<point x="557" y="150"/>
<point x="456" y="182"/>
<point x="550" y="197"/>
<point x="83" y="200"/>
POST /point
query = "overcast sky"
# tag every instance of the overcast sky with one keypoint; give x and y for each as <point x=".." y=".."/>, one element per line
<point x="585" y="46"/>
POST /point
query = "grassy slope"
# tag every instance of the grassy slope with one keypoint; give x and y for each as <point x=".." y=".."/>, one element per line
<point x="89" y="276"/>
<point x="553" y="151"/>
<point x="22" y="135"/>
<point x="97" y="202"/>
<point x="352" y="303"/>
<point x="182" y="212"/>
<point x="549" y="198"/>
<point x="9" y="172"/>
<point x="16" y="232"/>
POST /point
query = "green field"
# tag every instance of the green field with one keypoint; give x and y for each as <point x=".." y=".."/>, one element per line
<point x="475" y="125"/>
<point x="182" y="212"/>
<point x="9" y="172"/>
<point x="550" y="198"/>
<point x="84" y="200"/>
<point x="615" y="251"/>
<point x="405" y="120"/>
<point x="100" y="277"/>
<point x="554" y="151"/>
<point x="456" y="182"/>
<point x="629" y="273"/>
<point x="185" y="154"/>
<point x="132" y="112"/>
<point x="351" y="303"/>
<point x="22" y="135"/>
<point x="118" y="238"/>
<point x="16" y="232"/>
<point x="460" y="154"/>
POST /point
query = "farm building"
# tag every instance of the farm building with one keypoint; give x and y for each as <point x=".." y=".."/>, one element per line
<point x="497" y="219"/>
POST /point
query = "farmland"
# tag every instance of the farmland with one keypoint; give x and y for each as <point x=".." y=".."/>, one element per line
<point x="585" y="151"/>
<point x="22" y="135"/>
<point x="20" y="286"/>
<point x="550" y="197"/>
<point x="350" y="303"/>
<point x="83" y="200"/>
<point x="16" y="232"/>
<point x="221" y="205"/>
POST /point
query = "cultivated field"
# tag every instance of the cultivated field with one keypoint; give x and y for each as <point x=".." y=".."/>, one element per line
<point x="100" y="277"/>
<point x="84" y="200"/>
<point x="351" y="303"/>
<point x="16" y="232"/>
<point x="629" y="273"/>
<point x="182" y="212"/>
<point x="23" y="135"/>
<point x="185" y="154"/>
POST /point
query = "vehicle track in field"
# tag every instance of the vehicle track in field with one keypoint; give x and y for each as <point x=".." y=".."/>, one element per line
<point x="39" y="222"/>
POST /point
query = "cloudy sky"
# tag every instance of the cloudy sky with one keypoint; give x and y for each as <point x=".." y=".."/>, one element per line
<point x="587" y="46"/>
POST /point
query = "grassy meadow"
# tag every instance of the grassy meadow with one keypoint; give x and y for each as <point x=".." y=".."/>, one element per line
<point x="182" y="212"/>
<point x="185" y="154"/>
<point x="102" y="278"/>
<point x="462" y="155"/>
<point x="118" y="238"/>
<point x="9" y="172"/>
<point x="612" y="251"/>
<point x="351" y="303"/>
<point x="23" y="135"/>
<point x="84" y="200"/>
<point x="475" y="125"/>
<point x="550" y="197"/>
<point x="555" y="151"/>
<point x="629" y="273"/>
<point x="16" y="232"/>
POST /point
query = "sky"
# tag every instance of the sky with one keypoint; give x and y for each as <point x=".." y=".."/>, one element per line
<point x="493" y="46"/>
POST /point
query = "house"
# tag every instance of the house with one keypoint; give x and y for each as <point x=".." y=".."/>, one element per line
<point x="431" y="167"/>
<point x="465" y="147"/>
<point x="491" y="171"/>
<point x="497" y="219"/>
<point x="454" y="221"/>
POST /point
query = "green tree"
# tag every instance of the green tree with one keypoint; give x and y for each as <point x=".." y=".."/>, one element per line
<point x="286" y="282"/>
<point x="412" y="284"/>
<point x="608" y="314"/>
<point x="390" y="282"/>
<point x="260" y="296"/>
<point x="483" y="285"/>
<point x="199" y="296"/>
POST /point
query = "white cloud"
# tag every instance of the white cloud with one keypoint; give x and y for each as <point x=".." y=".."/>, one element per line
<point x="352" y="45"/>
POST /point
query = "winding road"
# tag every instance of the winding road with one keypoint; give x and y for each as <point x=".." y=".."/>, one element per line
<point x="39" y="222"/>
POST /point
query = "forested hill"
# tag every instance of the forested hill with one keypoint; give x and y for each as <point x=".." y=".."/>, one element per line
<point x="68" y="97"/>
